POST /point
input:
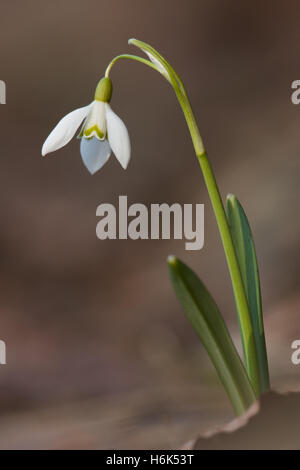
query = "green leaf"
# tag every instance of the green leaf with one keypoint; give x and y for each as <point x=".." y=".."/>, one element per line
<point x="245" y="252"/>
<point x="208" y="323"/>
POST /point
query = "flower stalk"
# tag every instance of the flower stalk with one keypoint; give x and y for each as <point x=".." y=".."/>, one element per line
<point x="158" y="63"/>
<point x="249" y="348"/>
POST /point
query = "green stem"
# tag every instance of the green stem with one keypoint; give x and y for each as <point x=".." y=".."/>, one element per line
<point x="131" y="57"/>
<point x="250" y="354"/>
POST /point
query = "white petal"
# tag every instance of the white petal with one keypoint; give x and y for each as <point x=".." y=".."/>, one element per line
<point x="65" y="130"/>
<point x="118" y="137"/>
<point x="94" y="153"/>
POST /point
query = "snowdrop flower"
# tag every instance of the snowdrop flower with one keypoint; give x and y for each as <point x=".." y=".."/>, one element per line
<point x="102" y="131"/>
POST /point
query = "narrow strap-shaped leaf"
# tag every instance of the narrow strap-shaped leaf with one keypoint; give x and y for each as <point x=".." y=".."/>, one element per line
<point x="245" y="251"/>
<point x="208" y="323"/>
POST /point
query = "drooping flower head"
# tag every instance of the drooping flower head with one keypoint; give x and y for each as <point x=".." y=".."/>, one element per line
<point x="102" y="131"/>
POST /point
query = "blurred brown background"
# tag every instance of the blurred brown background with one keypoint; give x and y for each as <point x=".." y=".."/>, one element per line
<point x="99" y="353"/>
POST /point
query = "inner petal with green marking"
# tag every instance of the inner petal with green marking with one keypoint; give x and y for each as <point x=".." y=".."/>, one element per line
<point x="95" y="124"/>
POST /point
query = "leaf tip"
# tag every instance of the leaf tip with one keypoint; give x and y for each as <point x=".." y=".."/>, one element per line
<point x="231" y="197"/>
<point x="172" y="261"/>
<point x="131" y="41"/>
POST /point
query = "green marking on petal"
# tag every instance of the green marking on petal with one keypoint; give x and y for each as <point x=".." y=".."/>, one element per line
<point x="90" y="130"/>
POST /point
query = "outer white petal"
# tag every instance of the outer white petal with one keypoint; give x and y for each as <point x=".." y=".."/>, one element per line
<point x="118" y="137"/>
<point x="65" y="130"/>
<point x="94" y="153"/>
